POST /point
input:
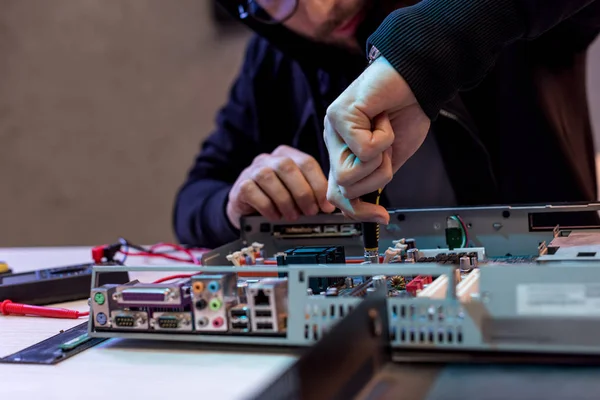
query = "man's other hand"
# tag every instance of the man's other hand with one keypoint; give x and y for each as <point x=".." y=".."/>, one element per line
<point x="284" y="184"/>
<point x="371" y="130"/>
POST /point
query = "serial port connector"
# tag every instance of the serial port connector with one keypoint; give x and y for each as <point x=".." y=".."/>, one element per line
<point x="168" y="322"/>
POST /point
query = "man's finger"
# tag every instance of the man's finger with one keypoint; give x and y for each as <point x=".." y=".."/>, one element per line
<point x="316" y="179"/>
<point x="313" y="173"/>
<point x="297" y="184"/>
<point x="366" y="138"/>
<point x="271" y="185"/>
<point x="348" y="169"/>
<point x="378" y="179"/>
<point x="251" y="195"/>
<point x="356" y="209"/>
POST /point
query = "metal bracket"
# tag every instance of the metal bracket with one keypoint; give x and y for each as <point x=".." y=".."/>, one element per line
<point x="343" y="361"/>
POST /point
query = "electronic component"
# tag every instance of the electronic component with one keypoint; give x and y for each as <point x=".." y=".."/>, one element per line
<point x="136" y="306"/>
<point x="171" y="321"/>
<point x="174" y="294"/>
<point x="54" y="285"/>
<point x="56" y="348"/>
<point x="129" y="319"/>
<point x="459" y="299"/>
<point x="455" y="237"/>
<point x="239" y="318"/>
<point x="268" y="302"/>
<point x="502" y="229"/>
<point x="213" y="296"/>
<point x="314" y="255"/>
<point x="76" y="342"/>
<point x="315" y="231"/>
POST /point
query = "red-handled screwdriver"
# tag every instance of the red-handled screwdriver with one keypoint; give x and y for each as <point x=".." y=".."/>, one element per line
<point x="7" y="307"/>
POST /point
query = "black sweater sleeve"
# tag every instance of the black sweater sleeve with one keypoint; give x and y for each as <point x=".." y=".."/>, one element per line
<point x="199" y="216"/>
<point x="443" y="46"/>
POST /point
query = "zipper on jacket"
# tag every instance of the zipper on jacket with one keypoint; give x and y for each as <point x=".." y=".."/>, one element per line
<point x="466" y="127"/>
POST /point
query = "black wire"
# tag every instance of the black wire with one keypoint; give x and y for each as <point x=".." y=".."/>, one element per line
<point x="125" y="244"/>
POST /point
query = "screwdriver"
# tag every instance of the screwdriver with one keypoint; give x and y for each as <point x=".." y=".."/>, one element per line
<point x="370" y="230"/>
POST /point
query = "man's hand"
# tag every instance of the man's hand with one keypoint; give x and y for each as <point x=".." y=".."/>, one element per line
<point x="284" y="184"/>
<point x="371" y="129"/>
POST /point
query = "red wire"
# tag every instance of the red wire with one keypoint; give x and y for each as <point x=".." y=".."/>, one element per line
<point x="151" y="253"/>
<point x="170" y="278"/>
<point x="7" y="307"/>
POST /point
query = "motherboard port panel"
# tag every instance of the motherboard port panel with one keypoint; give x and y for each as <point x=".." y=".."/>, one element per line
<point x="174" y="294"/>
<point x="268" y="301"/>
<point x="493" y="308"/>
<point x="213" y="296"/>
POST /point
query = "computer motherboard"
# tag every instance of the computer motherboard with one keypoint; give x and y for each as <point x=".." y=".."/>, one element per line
<point x="451" y="297"/>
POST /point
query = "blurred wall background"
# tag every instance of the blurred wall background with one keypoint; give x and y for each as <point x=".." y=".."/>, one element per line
<point x="103" y="104"/>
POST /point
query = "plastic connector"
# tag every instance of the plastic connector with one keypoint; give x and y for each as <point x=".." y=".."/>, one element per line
<point x="417" y="284"/>
<point x="105" y="253"/>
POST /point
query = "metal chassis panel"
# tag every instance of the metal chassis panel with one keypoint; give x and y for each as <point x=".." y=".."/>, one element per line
<point x="480" y="325"/>
<point x="497" y="228"/>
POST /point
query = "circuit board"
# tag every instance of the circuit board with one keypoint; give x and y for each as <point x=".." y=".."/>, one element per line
<point x="55" y="349"/>
<point x="451" y="297"/>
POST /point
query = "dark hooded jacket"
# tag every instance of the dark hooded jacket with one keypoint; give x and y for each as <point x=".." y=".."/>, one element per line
<point x="519" y="131"/>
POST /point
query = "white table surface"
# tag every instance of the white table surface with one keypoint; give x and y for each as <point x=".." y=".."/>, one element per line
<point x="121" y="369"/>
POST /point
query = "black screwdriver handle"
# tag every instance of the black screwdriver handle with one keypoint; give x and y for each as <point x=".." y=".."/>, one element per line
<point x="370" y="230"/>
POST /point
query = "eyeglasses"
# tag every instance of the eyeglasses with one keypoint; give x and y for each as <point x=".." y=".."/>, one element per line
<point x="271" y="12"/>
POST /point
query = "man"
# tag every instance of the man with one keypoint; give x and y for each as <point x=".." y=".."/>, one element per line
<point x="493" y="144"/>
<point x="371" y="131"/>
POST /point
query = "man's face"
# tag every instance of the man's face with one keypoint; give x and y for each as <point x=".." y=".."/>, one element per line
<point x="328" y="21"/>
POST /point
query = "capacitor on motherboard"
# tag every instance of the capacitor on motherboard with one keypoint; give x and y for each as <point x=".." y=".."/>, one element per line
<point x="379" y="280"/>
<point x="411" y="244"/>
<point x="349" y="283"/>
<point x="412" y="255"/>
<point x="466" y="263"/>
<point x="309" y="291"/>
<point x="474" y="259"/>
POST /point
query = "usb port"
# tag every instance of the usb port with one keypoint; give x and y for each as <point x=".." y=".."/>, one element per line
<point x="239" y="325"/>
<point x="263" y="313"/>
<point x="264" y="326"/>
<point x="239" y="313"/>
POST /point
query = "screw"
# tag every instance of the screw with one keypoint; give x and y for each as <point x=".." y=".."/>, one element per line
<point x="437" y="226"/>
